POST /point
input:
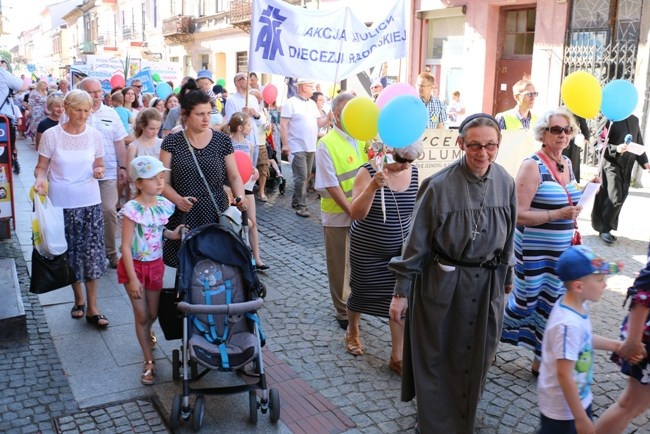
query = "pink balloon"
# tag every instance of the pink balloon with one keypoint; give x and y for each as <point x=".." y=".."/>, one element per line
<point x="269" y="93"/>
<point x="117" y="80"/>
<point x="393" y="90"/>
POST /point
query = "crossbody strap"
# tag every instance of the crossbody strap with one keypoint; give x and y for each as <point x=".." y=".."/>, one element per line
<point x="554" y="174"/>
<point x="205" y="181"/>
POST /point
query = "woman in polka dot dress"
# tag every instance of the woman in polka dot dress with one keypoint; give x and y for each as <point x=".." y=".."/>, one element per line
<point x="184" y="186"/>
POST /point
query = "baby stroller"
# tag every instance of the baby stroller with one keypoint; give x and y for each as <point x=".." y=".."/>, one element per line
<point x="221" y="330"/>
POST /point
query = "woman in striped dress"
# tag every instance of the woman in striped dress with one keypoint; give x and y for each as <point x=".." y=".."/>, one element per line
<point x="545" y="228"/>
<point x="373" y="242"/>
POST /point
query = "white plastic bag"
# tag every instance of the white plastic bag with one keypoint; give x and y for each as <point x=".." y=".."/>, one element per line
<point x="48" y="227"/>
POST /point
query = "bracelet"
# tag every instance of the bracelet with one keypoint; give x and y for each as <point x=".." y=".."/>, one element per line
<point x="398" y="296"/>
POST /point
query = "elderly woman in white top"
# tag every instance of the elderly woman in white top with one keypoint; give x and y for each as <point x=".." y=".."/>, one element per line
<point x="71" y="160"/>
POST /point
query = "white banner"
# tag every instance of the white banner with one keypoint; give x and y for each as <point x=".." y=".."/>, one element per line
<point x="322" y="45"/>
<point x="440" y="149"/>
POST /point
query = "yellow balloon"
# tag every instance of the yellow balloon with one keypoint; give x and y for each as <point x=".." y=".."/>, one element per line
<point x="361" y="118"/>
<point x="582" y="94"/>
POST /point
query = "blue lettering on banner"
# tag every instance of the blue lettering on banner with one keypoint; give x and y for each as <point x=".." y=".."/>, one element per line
<point x="316" y="55"/>
<point x="269" y="36"/>
<point x="326" y="33"/>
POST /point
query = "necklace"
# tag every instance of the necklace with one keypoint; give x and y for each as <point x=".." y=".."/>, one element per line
<point x="475" y="232"/>
<point x="558" y="163"/>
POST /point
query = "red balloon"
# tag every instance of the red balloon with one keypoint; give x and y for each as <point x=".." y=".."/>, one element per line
<point x="117" y="80"/>
<point x="244" y="165"/>
<point x="269" y="93"/>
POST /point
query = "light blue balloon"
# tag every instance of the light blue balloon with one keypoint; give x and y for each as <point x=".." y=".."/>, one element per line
<point x="402" y="121"/>
<point x="620" y="98"/>
<point x="163" y="90"/>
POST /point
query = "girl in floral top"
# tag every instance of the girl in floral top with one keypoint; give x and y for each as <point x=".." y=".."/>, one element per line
<point x="633" y="358"/>
<point x="141" y="267"/>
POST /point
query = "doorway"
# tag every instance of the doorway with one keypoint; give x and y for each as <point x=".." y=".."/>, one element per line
<point x="517" y="41"/>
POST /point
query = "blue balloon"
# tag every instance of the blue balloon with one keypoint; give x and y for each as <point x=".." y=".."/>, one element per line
<point x="620" y="98"/>
<point x="402" y="121"/>
<point x="163" y="90"/>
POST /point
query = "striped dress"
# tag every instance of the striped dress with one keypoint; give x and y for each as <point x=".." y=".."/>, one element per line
<point x="373" y="243"/>
<point x="536" y="287"/>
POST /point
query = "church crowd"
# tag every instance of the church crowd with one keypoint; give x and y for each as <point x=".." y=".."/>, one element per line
<point x="456" y="263"/>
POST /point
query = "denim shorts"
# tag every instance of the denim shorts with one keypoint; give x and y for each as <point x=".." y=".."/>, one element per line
<point x="552" y="426"/>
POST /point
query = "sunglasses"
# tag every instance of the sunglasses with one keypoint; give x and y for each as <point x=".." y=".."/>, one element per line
<point x="530" y="94"/>
<point x="556" y="130"/>
<point x="401" y="160"/>
<point x="475" y="147"/>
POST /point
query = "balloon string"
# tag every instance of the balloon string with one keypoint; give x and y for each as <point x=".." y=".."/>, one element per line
<point x="601" y="154"/>
<point x="380" y="168"/>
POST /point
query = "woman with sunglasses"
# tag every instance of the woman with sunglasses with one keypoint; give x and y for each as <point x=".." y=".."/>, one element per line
<point x="547" y="197"/>
<point x="374" y="240"/>
<point x="451" y="279"/>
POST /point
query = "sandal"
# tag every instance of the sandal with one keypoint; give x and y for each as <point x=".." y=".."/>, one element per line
<point x="534" y="368"/>
<point x="353" y="345"/>
<point x="395" y="366"/>
<point x="154" y="339"/>
<point x="263" y="198"/>
<point x="78" y="311"/>
<point x="148" y="375"/>
<point x="95" y="320"/>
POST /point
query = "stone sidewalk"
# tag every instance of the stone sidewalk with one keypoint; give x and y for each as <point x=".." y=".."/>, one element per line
<point x="52" y="384"/>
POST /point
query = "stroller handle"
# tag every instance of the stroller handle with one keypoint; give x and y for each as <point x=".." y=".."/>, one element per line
<point x="223" y="309"/>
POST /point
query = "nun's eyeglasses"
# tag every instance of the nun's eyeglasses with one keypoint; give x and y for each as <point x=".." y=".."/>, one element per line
<point x="475" y="147"/>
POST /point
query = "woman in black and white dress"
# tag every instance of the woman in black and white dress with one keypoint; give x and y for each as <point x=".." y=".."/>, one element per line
<point x="373" y="242"/>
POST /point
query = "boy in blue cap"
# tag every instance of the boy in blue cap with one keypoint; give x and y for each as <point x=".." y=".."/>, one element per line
<point x="566" y="373"/>
<point x="632" y="358"/>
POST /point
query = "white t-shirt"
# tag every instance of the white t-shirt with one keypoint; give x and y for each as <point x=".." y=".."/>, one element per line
<point x="234" y="104"/>
<point x="303" y="123"/>
<point x="70" y="174"/>
<point x="568" y="335"/>
<point x="108" y="123"/>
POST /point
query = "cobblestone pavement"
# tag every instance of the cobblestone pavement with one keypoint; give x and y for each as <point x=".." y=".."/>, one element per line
<point x="301" y="330"/>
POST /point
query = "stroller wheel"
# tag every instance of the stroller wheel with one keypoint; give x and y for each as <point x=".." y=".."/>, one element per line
<point x="252" y="404"/>
<point x="176" y="365"/>
<point x="274" y="404"/>
<point x="198" y="413"/>
<point x="175" y="415"/>
<point x="282" y="185"/>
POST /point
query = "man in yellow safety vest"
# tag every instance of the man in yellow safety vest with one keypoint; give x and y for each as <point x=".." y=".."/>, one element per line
<point x="521" y="116"/>
<point x="338" y="157"/>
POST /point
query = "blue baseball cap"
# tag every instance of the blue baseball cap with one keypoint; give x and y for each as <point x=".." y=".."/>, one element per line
<point x="580" y="261"/>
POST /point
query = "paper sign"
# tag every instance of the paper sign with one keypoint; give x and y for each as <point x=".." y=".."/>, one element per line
<point x="635" y="148"/>
<point x="588" y="193"/>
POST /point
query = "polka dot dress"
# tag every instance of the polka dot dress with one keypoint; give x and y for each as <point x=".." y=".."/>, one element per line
<point x="186" y="181"/>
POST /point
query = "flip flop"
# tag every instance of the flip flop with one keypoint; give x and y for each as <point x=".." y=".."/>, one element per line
<point x="95" y="319"/>
<point x="78" y="311"/>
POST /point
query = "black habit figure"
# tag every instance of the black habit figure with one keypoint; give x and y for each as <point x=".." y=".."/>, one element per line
<point x="616" y="175"/>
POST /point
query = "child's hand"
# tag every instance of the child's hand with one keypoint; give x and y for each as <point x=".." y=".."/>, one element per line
<point x="631" y="349"/>
<point x="134" y="289"/>
<point x="176" y="233"/>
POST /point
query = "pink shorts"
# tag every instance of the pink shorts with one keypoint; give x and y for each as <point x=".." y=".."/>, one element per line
<point x="149" y="273"/>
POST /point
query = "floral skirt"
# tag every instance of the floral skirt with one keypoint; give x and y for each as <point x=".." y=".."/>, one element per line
<point x="84" y="232"/>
